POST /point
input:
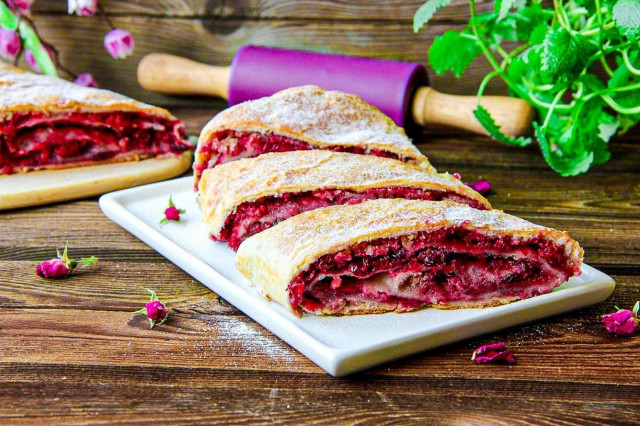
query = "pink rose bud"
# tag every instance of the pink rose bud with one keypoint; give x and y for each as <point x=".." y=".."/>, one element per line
<point x="491" y="353"/>
<point x="481" y="186"/>
<point x="82" y="7"/>
<point x="31" y="60"/>
<point x="155" y="310"/>
<point x="119" y="43"/>
<point x="457" y="176"/>
<point x="9" y="44"/>
<point x="54" y="268"/>
<point x="62" y="266"/>
<point x="172" y="213"/>
<point x="86" y="80"/>
<point x="622" y="323"/>
<point x="21" y="6"/>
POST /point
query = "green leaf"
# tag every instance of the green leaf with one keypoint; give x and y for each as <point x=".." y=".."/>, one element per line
<point x="8" y="20"/>
<point x="563" y="164"/>
<point x="87" y="261"/>
<point x="452" y="52"/>
<point x="484" y="117"/>
<point x="425" y="12"/>
<point x="626" y="14"/>
<point x="503" y="7"/>
<point x="564" y="56"/>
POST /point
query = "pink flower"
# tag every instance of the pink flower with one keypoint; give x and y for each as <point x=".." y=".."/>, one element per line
<point x="172" y="213"/>
<point x="457" y="176"/>
<point x="9" y="44"/>
<point x="482" y="186"/>
<point x="86" y="80"/>
<point x="495" y="352"/>
<point x="119" y="43"/>
<point x="55" y="268"/>
<point x="21" y="6"/>
<point x="62" y="266"/>
<point x="623" y="322"/>
<point x="31" y="60"/>
<point x="155" y="310"/>
<point x="83" y="7"/>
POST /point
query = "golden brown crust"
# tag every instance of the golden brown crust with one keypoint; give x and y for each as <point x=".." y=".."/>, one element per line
<point x="226" y="186"/>
<point x="23" y="91"/>
<point x="273" y="258"/>
<point x="316" y="116"/>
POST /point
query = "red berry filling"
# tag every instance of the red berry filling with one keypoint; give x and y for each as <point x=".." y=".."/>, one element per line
<point x="443" y="266"/>
<point x="229" y="145"/>
<point x="34" y="140"/>
<point x="255" y="216"/>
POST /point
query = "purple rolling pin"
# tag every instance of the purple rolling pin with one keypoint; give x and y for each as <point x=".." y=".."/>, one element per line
<point x="399" y="89"/>
<point x="389" y="85"/>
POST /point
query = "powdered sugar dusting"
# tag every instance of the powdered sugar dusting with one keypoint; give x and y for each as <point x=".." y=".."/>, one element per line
<point x="24" y="92"/>
<point x="226" y="186"/>
<point x="317" y="116"/>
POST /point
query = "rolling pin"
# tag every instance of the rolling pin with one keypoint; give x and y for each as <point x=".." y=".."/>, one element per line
<point x="398" y="89"/>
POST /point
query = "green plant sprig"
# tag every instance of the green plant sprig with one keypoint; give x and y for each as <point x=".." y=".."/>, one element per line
<point x="577" y="63"/>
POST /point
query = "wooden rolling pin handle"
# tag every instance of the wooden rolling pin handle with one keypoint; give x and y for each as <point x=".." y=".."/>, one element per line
<point x="179" y="76"/>
<point x="513" y="115"/>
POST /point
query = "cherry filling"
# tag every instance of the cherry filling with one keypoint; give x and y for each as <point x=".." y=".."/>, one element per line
<point x="35" y="140"/>
<point x="229" y="145"/>
<point x="445" y="266"/>
<point x="255" y="216"/>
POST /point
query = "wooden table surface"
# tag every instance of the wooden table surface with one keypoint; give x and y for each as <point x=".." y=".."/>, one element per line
<point x="72" y="350"/>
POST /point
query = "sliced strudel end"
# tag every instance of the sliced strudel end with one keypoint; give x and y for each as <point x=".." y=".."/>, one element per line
<point x="245" y="197"/>
<point x="302" y="118"/>
<point x="400" y="255"/>
<point x="50" y="123"/>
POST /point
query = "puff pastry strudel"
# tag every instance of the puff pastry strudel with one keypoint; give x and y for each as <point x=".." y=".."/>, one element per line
<point x="247" y="196"/>
<point x="48" y="123"/>
<point x="302" y="118"/>
<point x="400" y="255"/>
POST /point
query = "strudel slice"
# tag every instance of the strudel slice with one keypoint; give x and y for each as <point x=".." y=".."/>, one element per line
<point x="401" y="255"/>
<point x="245" y="197"/>
<point x="48" y="123"/>
<point x="302" y="118"/>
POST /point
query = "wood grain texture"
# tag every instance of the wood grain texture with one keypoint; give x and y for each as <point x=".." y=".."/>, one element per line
<point x="72" y="351"/>
<point x="215" y="41"/>
<point x="274" y="9"/>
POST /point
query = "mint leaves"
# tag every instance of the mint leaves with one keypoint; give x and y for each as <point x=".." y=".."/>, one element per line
<point x="453" y="51"/>
<point x="577" y="63"/>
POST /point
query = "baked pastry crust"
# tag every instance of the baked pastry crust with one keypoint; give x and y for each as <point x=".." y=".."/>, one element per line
<point x="23" y="91"/>
<point x="323" y="119"/>
<point x="274" y="257"/>
<point x="223" y="188"/>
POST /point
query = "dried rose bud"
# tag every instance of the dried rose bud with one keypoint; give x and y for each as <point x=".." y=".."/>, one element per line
<point x="31" y="60"/>
<point x="172" y="213"/>
<point x="155" y="310"/>
<point x="481" y="186"/>
<point x="9" y="44"/>
<point x="494" y="352"/>
<point x="62" y="266"/>
<point x="22" y="7"/>
<point x="86" y="80"/>
<point x="119" y="43"/>
<point x="82" y="7"/>
<point x="623" y="322"/>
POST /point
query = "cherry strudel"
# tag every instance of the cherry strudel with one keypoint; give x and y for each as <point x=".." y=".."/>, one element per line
<point x="302" y="118"/>
<point x="48" y="123"/>
<point x="247" y="196"/>
<point x="400" y="255"/>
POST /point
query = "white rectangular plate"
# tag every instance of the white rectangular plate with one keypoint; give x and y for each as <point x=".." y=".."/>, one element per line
<point x="339" y="345"/>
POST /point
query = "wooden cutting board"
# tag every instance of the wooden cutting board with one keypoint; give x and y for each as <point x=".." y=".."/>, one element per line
<point x="50" y="186"/>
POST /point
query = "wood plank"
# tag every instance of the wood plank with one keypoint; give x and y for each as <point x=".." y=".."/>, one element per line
<point x="275" y="9"/>
<point x="216" y="41"/>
